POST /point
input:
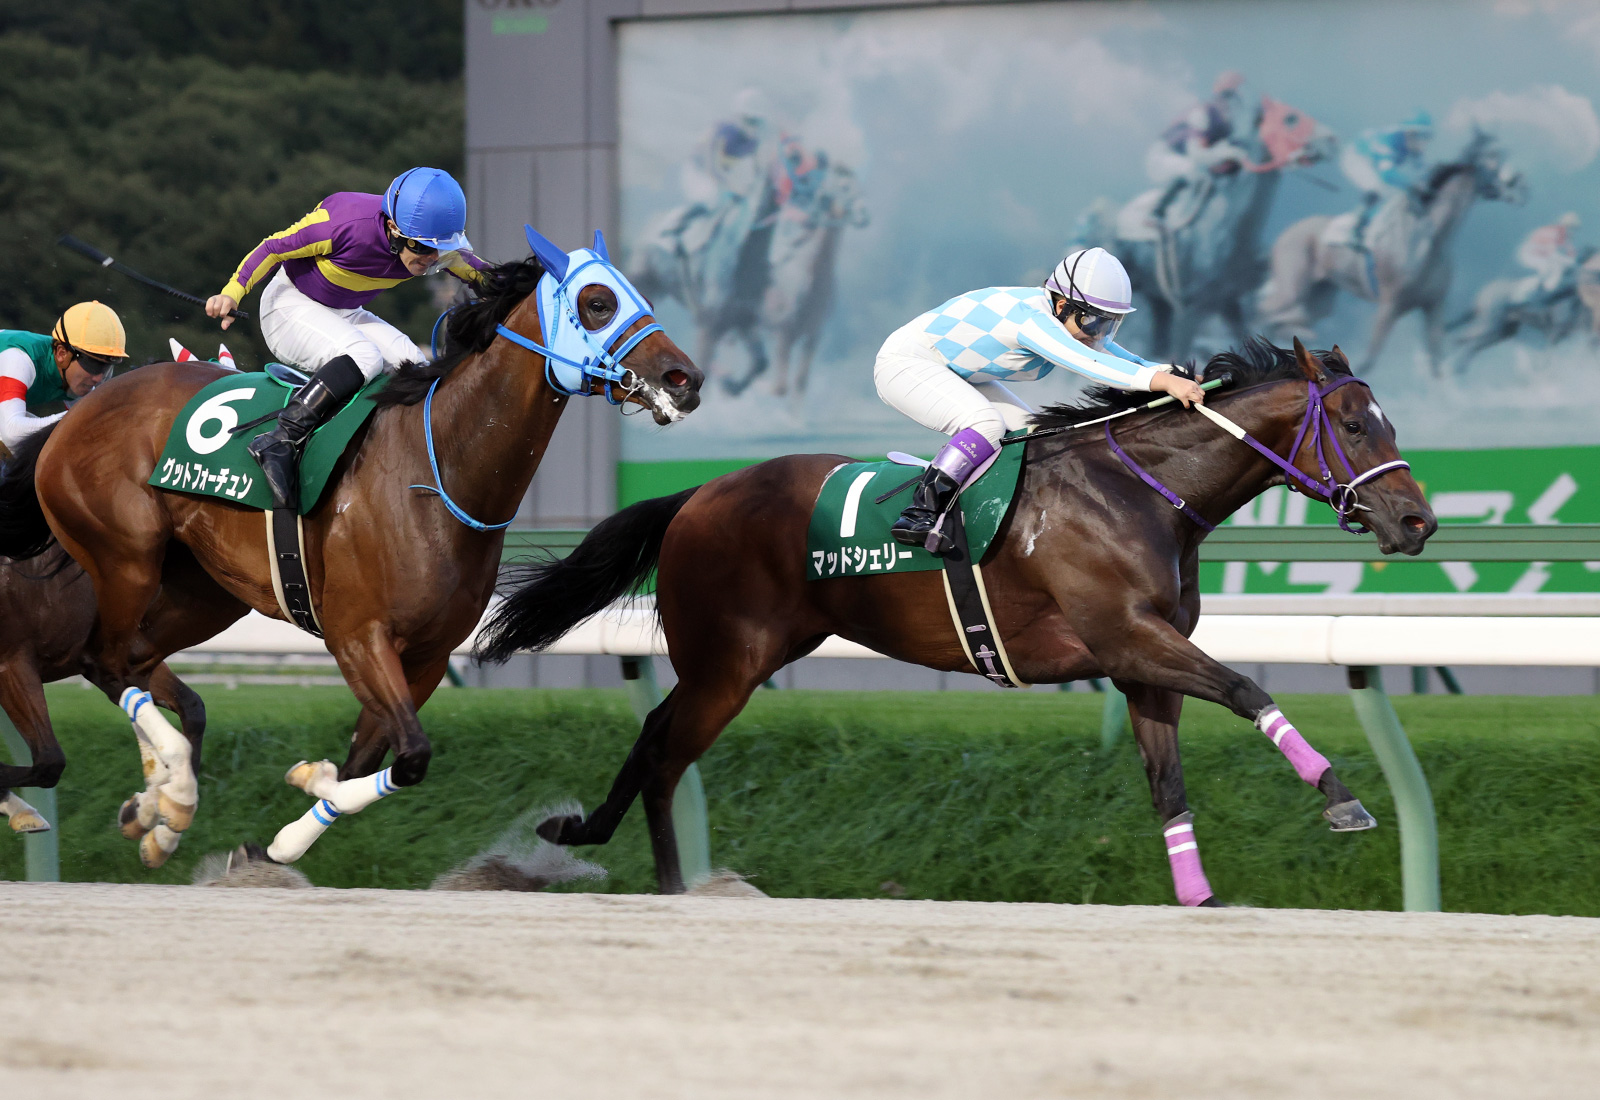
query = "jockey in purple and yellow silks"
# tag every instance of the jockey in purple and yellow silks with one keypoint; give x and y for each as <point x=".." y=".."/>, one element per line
<point x="329" y="265"/>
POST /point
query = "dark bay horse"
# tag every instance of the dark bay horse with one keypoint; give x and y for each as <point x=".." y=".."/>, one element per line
<point x="397" y="580"/>
<point x="46" y="612"/>
<point x="1091" y="574"/>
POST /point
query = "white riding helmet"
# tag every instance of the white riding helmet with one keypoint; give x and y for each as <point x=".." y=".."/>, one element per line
<point x="1094" y="277"/>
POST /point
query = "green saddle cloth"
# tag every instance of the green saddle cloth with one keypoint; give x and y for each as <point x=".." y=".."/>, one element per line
<point x="205" y="458"/>
<point x="849" y="531"/>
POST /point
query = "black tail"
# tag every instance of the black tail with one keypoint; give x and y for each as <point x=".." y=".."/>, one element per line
<point x="549" y="598"/>
<point x="23" y="530"/>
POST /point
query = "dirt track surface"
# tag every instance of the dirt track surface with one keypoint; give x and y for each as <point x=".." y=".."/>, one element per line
<point x="175" y="992"/>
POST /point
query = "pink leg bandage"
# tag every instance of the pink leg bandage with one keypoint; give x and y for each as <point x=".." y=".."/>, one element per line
<point x="1308" y="763"/>
<point x="1188" y="877"/>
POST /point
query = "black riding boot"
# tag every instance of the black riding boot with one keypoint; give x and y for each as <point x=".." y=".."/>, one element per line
<point x="929" y="500"/>
<point x="278" y="451"/>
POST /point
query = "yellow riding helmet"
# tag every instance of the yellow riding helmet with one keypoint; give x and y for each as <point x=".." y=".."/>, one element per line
<point x="94" y="328"/>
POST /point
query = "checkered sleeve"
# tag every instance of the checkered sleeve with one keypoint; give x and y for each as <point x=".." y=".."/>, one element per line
<point x="1114" y="348"/>
<point x="1052" y="343"/>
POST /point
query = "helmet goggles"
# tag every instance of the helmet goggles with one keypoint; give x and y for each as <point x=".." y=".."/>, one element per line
<point x="1092" y="323"/>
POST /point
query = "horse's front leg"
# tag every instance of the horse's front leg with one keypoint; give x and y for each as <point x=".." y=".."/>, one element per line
<point x="375" y="674"/>
<point x="1149" y="650"/>
<point x="1155" y="729"/>
<point x="22" y="694"/>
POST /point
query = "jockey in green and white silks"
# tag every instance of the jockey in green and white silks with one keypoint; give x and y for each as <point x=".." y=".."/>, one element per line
<point x="38" y="370"/>
<point x="945" y="370"/>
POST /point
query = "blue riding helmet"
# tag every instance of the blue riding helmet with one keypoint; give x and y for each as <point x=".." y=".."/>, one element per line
<point x="574" y="356"/>
<point x="428" y="206"/>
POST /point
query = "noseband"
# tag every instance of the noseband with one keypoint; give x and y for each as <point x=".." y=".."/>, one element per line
<point x="1340" y="496"/>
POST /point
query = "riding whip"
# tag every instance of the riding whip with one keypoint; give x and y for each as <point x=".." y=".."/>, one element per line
<point x="1146" y="407"/>
<point x="89" y="251"/>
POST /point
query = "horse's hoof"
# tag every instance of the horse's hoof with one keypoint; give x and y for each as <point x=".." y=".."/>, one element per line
<point x="174" y="815"/>
<point x="1211" y="903"/>
<point x="157" y="846"/>
<point x="559" y="830"/>
<point x="137" y="816"/>
<point x="1349" y="817"/>
<point x="306" y="776"/>
<point x="28" y="821"/>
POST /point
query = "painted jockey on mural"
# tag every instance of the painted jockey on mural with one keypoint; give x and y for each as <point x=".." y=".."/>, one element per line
<point x="1551" y="253"/>
<point x="39" y="371"/>
<point x="329" y="266"/>
<point x="946" y="370"/>
<point x="1549" y="302"/>
<point x="762" y="214"/>
<point x="1385" y="163"/>
<point x="1197" y="147"/>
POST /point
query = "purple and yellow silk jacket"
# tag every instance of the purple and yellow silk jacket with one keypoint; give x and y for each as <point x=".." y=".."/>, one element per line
<point x="339" y="255"/>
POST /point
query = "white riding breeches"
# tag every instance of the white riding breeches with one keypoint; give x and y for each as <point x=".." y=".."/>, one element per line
<point x="305" y="333"/>
<point x="913" y="378"/>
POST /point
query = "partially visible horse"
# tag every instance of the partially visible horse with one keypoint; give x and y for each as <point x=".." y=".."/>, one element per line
<point x="399" y="577"/>
<point x="1204" y="259"/>
<point x="1504" y="308"/>
<point x="46" y="612"/>
<point x="805" y="254"/>
<point x="1092" y="573"/>
<point x="747" y="273"/>
<point x="1408" y="266"/>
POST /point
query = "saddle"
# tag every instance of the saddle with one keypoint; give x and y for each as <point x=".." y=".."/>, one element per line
<point x="849" y="536"/>
<point x="207" y="455"/>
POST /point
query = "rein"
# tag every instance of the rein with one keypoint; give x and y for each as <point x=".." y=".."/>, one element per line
<point x="1340" y="496"/>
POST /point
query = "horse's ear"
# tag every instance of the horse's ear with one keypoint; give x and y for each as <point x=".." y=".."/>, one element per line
<point x="1339" y="357"/>
<point x="553" y="259"/>
<point x="1309" y="365"/>
<point x="600" y="246"/>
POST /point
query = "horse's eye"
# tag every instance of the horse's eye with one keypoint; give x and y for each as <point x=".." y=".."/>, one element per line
<point x="1354" y="427"/>
<point x="599" y="305"/>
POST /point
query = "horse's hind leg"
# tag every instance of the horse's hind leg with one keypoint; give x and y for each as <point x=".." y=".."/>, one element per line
<point x="22" y="695"/>
<point x="1148" y="650"/>
<point x="1155" y="729"/>
<point x="674" y="736"/>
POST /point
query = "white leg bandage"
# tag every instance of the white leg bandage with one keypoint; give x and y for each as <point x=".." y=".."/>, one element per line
<point x="170" y="747"/>
<point x="335" y="799"/>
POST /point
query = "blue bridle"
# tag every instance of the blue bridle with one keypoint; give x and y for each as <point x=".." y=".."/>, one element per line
<point x="601" y="351"/>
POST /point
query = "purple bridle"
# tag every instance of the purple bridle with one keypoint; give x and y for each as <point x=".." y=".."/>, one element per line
<point x="1341" y="497"/>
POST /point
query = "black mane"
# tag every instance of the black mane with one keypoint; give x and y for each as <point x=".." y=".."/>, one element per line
<point x="468" y="330"/>
<point x="1258" y="362"/>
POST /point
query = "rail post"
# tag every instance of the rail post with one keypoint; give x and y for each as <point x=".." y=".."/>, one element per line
<point x="41" y="851"/>
<point x="690" y="821"/>
<point x="1413" y="802"/>
<point x="1113" y="713"/>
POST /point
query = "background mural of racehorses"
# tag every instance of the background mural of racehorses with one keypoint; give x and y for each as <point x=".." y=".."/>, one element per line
<point x="755" y="269"/>
<point x="1405" y="265"/>
<point x="1506" y="308"/>
<point x="1203" y="259"/>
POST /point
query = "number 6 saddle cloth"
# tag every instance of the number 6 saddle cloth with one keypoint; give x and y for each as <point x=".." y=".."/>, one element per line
<point x="206" y="452"/>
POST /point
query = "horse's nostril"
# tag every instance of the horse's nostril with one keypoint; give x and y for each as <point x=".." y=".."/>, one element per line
<point x="676" y="377"/>
<point x="1415" y="523"/>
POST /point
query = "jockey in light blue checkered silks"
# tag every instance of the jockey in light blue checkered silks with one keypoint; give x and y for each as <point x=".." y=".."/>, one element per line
<point x="945" y="370"/>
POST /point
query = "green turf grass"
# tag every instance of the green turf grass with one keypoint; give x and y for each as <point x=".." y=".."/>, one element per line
<point x="845" y="794"/>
